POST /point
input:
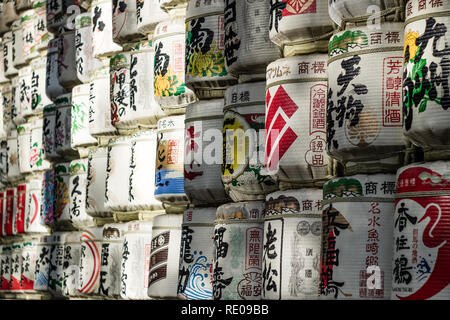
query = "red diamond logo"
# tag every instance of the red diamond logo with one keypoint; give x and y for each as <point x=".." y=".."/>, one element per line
<point x="280" y="136"/>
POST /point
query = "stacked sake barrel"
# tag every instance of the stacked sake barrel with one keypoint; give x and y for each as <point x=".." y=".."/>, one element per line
<point x="421" y="207"/>
<point x="24" y="40"/>
<point x="364" y="132"/>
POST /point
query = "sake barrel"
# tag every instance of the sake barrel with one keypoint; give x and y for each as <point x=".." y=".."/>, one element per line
<point x="79" y="133"/>
<point x="124" y="21"/>
<point x="170" y="4"/>
<point x="63" y="125"/>
<point x="13" y="156"/>
<point x="7" y="97"/>
<point x="248" y="49"/>
<point x="61" y="193"/>
<point x="3" y="162"/>
<point x="41" y="34"/>
<point x="135" y="262"/>
<point x="24" y="91"/>
<point x="165" y="256"/>
<point x="2" y="214"/>
<point x="91" y="246"/>
<point x="426" y="98"/>
<point x="7" y="45"/>
<point x="169" y="180"/>
<point x="3" y="78"/>
<point x="20" y="213"/>
<point x="300" y="27"/>
<point x="24" y="147"/>
<point x="16" y="112"/>
<point x="28" y="268"/>
<point x="95" y="187"/>
<point x="141" y="177"/>
<point x="342" y="11"/>
<point x="292" y="239"/>
<point x="205" y="49"/>
<point x="53" y="88"/>
<point x="117" y="174"/>
<point x="48" y="132"/>
<point x="77" y="190"/>
<point x="169" y="69"/>
<point x="357" y="237"/>
<point x="238" y="245"/>
<point x="100" y="103"/>
<point x="243" y="167"/>
<point x="18" y="59"/>
<point x="145" y="109"/>
<point x="6" y="268"/>
<point x="16" y="266"/>
<point x="421" y="227"/>
<point x="102" y="34"/>
<point x="111" y="260"/>
<point x="42" y="269"/>
<point x="36" y="160"/>
<point x="85" y="62"/>
<point x="366" y="135"/>
<point x="296" y="99"/>
<point x="39" y="98"/>
<point x="56" y="275"/>
<point x="71" y="269"/>
<point x="48" y="197"/>
<point x="57" y="12"/>
<point x="34" y="221"/>
<point x="28" y="35"/>
<point x="67" y="67"/>
<point x="196" y="257"/>
<point x="148" y="14"/>
<point x="9" y="13"/>
<point x="203" y="153"/>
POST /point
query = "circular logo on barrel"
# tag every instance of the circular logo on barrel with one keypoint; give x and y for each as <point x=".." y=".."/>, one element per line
<point x="235" y="146"/>
<point x="303" y="228"/>
<point x="365" y="131"/>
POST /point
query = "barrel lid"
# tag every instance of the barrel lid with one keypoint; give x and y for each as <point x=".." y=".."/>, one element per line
<point x="63" y="100"/>
<point x="251" y="210"/>
<point x="83" y="20"/>
<point x="171" y="123"/>
<point x="39" y="62"/>
<point x="358" y="38"/>
<point x="36" y="123"/>
<point x="302" y="201"/>
<point x="168" y="220"/>
<point x="297" y="68"/>
<point x="24" y="129"/>
<point x="380" y="186"/>
<point x="50" y="108"/>
<point x="139" y="226"/>
<point x="27" y="15"/>
<point x="171" y="26"/>
<point x="197" y="9"/>
<point x="78" y="166"/>
<point x="53" y="46"/>
<point x="245" y="93"/>
<point x="204" y="109"/>
<point x="144" y="135"/>
<point x="119" y="140"/>
<point x="113" y="231"/>
<point x="121" y="60"/>
<point x="62" y="168"/>
<point x="98" y="152"/>
<point x="80" y="90"/>
<point x="200" y="215"/>
<point x="414" y="10"/>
